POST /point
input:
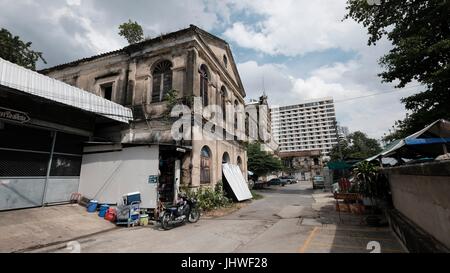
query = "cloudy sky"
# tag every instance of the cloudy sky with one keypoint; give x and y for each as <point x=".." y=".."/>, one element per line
<point x="300" y="49"/>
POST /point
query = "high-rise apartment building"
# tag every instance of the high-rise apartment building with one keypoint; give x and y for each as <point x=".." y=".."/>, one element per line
<point x="310" y="125"/>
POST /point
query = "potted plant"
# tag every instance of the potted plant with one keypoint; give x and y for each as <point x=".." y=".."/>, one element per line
<point x="367" y="176"/>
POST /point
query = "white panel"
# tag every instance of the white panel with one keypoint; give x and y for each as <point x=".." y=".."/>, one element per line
<point x="108" y="176"/>
<point x="237" y="182"/>
<point x="31" y="82"/>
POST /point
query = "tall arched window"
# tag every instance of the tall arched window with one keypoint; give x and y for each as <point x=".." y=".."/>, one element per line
<point x="205" y="165"/>
<point x="162" y="80"/>
<point x="239" y="163"/>
<point x="204" y="78"/>
<point x="247" y="124"/>
<point x="223" y="102"/>
<point x="236" y="104"/>
<point x="225" y="60"/>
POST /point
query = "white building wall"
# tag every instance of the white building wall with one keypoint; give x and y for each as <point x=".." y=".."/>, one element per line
<point x="107" y="176"/>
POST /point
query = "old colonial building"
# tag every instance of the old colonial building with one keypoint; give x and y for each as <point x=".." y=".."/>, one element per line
<point x="303" y="164"/>
<point x="151" y="76"/>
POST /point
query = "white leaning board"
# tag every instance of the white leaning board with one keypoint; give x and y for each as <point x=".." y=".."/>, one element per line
<point x="237" y="182"/>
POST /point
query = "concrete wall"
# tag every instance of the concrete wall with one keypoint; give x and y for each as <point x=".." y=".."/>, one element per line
<point x="422" y="194"/>
<point x="107" y="176"/>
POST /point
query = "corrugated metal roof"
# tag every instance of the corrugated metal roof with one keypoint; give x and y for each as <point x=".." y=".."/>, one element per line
<point x="28" y="81"/>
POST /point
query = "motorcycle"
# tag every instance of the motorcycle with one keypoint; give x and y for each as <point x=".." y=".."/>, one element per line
<point x="184" y="211"/>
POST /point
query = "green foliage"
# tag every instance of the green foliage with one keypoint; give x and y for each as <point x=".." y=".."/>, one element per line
<point x="366" y="174"/>
<point x="260" y="162"/>
<point x="210" y="198"/>
<point x="172" y="99"/>
<point x="370" y="182"/>
<point x="356" y="145"/>
<point x="256" y="196"/>
<point x="13" y="49"/>
<point x="131" y="31"/>
<point x="420" y="34"/>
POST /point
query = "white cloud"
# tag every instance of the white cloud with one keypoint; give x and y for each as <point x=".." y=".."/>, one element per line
<point x="73" y="2"/>
<point x="72" y="29"/>
<point x="373" y="115"/>
<point x="296" y="27"/>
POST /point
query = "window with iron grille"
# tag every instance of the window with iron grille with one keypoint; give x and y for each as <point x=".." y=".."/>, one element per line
<point x="205" y="165"/>
<point x="162" y="80"/>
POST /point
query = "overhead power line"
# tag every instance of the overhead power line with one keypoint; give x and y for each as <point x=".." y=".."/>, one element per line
<point x="376" y="94"/>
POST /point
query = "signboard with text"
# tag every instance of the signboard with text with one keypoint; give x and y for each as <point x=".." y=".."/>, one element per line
<point x="13" y="115"/>
<point x="153" y="179"/>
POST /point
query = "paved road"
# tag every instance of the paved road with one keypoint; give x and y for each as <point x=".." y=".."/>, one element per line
<point x="284" y="221"/>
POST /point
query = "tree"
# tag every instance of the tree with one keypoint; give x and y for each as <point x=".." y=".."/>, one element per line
<point x="13" y="49"/>
<point x="131" y="31"/>
<point x="420" y="34"/>
<point x="261" y="162"/>
<point x="356" y="145"/>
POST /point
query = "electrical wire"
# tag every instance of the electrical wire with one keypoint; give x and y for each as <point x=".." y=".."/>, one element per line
<point x="377" y="94"/>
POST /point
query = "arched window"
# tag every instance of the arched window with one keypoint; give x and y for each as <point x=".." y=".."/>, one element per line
<point x="239" y="163"/>
<point x="162" y="80"/>
<point x="225" y="158"/>
<point x="225" y="60"/>
<point x="223" y="102"/>
<point x="204" y="78"/>
<point x="247" y="124"/>
<point x="205" y="165"/>
<point x="236" y="104"/>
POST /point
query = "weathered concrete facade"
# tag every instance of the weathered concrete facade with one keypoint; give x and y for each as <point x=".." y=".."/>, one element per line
<point x="128" y="77"/>
<point x="304" y="164"/>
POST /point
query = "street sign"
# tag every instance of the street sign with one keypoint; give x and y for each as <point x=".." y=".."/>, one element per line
<point x="153" y="179"/>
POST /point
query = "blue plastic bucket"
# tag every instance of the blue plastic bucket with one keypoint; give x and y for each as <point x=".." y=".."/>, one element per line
<point x="92" y="206"/>
<point x="103" y="210"/>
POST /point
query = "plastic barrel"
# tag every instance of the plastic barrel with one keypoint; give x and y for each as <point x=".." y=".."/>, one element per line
<point x="103" y="210"/>
<point x="92" y="206"/>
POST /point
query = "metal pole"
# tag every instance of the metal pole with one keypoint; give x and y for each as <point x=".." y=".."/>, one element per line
<point x="177" y="180"/>
<point x="47" y="177"/>
<point x="338" y="140"/>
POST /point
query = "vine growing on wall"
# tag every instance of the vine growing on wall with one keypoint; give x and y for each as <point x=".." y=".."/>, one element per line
<point x="171" y="99"/>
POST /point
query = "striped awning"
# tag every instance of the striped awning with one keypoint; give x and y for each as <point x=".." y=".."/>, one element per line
<point x="31" y="82"/>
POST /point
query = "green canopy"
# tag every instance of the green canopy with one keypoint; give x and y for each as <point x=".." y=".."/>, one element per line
<point x="339" y="165"/>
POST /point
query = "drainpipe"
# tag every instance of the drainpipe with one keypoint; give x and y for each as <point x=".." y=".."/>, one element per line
<point x="47" y="177"/>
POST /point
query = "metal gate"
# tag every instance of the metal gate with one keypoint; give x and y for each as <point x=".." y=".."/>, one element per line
<point x="37" y="167"/>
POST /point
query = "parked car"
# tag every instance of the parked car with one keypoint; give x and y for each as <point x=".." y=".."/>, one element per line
<point x="260" y="184"/>
<point x="285" y="179"/>
<point x="277" y="182"/>
<point x="292" y="180"/>
<point x="318" y="182"/>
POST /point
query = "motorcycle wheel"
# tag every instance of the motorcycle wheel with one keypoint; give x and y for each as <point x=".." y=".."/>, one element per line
<point x="194" y="216"/>
<point x="165" y="221"/>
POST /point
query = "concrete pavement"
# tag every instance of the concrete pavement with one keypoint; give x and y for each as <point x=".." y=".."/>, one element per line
<point x="38" y="227"/>
<point x="289" y="219"/>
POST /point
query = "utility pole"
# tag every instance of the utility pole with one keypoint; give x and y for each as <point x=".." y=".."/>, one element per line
<point x="338" y="140"/>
